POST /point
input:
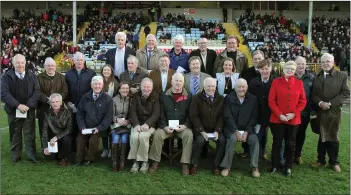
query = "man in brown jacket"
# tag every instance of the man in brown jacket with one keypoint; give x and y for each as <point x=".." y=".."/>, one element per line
<point x="144" y="114"/>
<point x="206" y="115"/>
<point x="328" y="92"/>
<point x="50" y="81"/>
<point x="231" y="50"/>
<point x="148" y="56"/>
<point x="163" y="75"/>
<point x="134" y="74"/>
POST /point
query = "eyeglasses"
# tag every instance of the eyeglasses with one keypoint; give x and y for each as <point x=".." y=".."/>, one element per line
<point x="290" y="69"/>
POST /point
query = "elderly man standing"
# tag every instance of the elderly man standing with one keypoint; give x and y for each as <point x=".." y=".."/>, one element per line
<point x="20" y="92"/>
<point x="95" y="114"/>
<point x="145" y="112"/>
<point x="134" y="74"/>
<point x="117" y="57"/>
<point x="206" y="115"/>
<point x="178" y="56"/>
<point x="231" y="51"/>
<point x="78" y="80"/>
<point x="207" y="56"/>
<point x="240" y="119"/>
<point x="50" y="82"/>
<point x="162" y="76"/>
<point x="329" y="91"/>
<point x="194" y="80"/>
<point x="174" y="121"/>
<point x="148" y="56"/>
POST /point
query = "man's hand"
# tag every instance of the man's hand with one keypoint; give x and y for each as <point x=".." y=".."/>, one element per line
<point x="204" y="135"/>
<point x="46" y="152"/>
<point x="137" y="128"/>
<point x="238" y="136"/>
<point x="72" y="107"/>
<point x="23" y="108"/>
<point x="125" y="122"/>
<point x="324" y="105"/>
<point x="283" y="118"/>
<point x="216" y="135"/>
<point x="120" y="121"/>
<point x="95" y="131"/>
<point x="180" y="128"/>
<point x="53" y="140"/>
<point x="144" y="127"/>
<point x="244" y="136"/>
<point x="168" y="130"/>
<point x="290" y="116"/>
<point x="133" y="90"/>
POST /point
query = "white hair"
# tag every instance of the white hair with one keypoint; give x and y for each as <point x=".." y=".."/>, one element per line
<point x="49" y="60"/>
<point x="16" y="56"/>
<point x="327" y="55"/>
<point x="120" y="34"/>
<point x="177" y="74"/>
<point x="54" y="95"/>
<point x="96" y="79"/>
<point x="300" y="58"/>
<point x="241" y="80"/>
<point x="77" y="55"/>
<point x="150" y="36"/>
<point x="178" y="37"/>
<point x="133" y="58"/>
<point x="290" y="63"/>
<point x="146" y="79"/>
<point x="208" y="80"/>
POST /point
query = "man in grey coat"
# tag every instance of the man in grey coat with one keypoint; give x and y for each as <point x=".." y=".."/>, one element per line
<point x="194" y="80"/>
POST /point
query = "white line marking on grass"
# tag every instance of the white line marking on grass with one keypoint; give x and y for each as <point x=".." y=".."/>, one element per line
<point x="4" y="128"/>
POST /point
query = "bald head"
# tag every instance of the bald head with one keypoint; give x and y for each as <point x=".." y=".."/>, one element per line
<point x="150" y="41"/>
<point x="241" y="87"/>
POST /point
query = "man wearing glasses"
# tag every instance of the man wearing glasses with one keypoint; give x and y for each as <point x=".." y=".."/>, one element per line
<point x="207" y="56"/>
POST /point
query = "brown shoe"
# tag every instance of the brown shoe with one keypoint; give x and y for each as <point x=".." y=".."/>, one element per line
<point x="193" y="170"/>
<point x="63" y="163"/>
<point x="298" y="161"/>
<point x="255" y="172"/>
<point x="185" y="169"/>
<point x="337" y="168"/>
<point x="317" y="165"/>
<point x="216" y="172"/>
<point x="153" y="167"/>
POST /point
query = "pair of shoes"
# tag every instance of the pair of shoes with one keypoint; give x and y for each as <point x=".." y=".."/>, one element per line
<point x="193" y="170"/>
<point x="287" y="171"/>
<point x="298" y="160"/>
<point x="135" y="167"/>
<point x="216" y="172"/>
<point x="273" y="170"/>
<point x="225" y="172"/>
<point x="104" y="154"/>
<point x="318" y="164"/>
<point x="255" y="172"/>
<point x="144" y="167"/>
<point x="154" y="167"/>
<point x="87" y="163"/>
<point x="185" y="169"/>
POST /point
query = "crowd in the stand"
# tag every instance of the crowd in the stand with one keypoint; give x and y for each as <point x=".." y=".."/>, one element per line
<point x="198" y="97"/>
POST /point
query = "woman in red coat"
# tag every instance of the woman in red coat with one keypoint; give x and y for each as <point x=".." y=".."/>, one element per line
<point x="286" y="100"/>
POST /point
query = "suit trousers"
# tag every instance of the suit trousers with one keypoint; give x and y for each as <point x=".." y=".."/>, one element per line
<point x="92" y="141"/>
<point x="288" y="133"/>
<point x="262" y="137"/>
<point x="16" y="126"/>
<point x="301" y="135"/>
<point x="254" y="149"/>
<point x="198" y="145"/>
<point x="139" y="145"/>
<point x="330" y="147"/>
<point x="160" y="135"/>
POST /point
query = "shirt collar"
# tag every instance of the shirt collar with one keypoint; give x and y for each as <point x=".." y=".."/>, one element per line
<point x="192" y="76"/>
<point x="118" y="49"/>
<point x="18" y="74"/>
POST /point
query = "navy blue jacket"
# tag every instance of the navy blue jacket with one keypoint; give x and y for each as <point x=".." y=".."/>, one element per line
<point x="78" y="86"/>
<point x="177" y="61"/>
<point x="111" y="55"/>
<point x="8" y="91"/>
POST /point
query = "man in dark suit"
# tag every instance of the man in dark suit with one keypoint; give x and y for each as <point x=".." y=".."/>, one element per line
<point x="163" y="75"/>
<point x="207" y="56"/>
<point x="252" y="72"/>
<point x="117" y="57"/>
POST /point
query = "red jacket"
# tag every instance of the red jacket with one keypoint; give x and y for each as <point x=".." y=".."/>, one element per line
<point x="286" y="97"/>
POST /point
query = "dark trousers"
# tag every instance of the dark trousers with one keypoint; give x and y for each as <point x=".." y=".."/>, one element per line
<point x="74" y="133"/>
<point x="262" y="137"/>
<point x="288" y="133"/>
<point x="93" y="147"/>
<point x="198" y="145"/>
<point x="301" y="135"/>
<point x="16" y="126"/>
<point x="40" y="125"/>
<point x="106" y="142"/>
<point x="330" y="147"/>
<point x="64" y="147"/>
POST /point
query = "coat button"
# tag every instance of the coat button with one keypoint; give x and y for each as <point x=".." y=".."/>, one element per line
<point x="175" y="109"/>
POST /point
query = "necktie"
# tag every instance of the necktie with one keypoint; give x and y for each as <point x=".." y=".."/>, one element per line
<point x="95" y="96"/>
<point x="196" y="85"/>
<point x="148" y="59"/>
<point x="211" y="98"/>
<point x="131" y="75"/>
<point x="21" y="75"/>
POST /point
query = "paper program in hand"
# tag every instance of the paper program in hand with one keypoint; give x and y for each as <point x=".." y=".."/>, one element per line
<point x="53" y="149"/>
<point x="211" y="136"/>
<point x="87" y="131"/>
<point x="19" y="114"/>
<point x="173" y="124"/>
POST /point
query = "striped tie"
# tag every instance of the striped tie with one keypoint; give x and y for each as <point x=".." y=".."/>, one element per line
<point x="196" y="85"/>
<point x="21" y="75"/>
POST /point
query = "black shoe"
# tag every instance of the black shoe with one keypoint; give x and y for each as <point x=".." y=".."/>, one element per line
<point x="287" y="172"/>
<point x="87" y="163"/>
<point x="78" y="164"/>
<point x="273" y="170"/>
<point x="15" y="160"/>
<point x="34" y="160"/>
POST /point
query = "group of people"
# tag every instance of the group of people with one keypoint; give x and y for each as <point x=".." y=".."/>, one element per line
<point x="146" y="97"/>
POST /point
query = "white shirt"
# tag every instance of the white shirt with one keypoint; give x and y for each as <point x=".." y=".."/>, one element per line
<point x="164" y="77"/>
<point x="18" y="74"/>
<point x="241" y="100"/>
<point x="204" y="56"/>
<point x="325" y="74"/>
<point x="119" y="61"/>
